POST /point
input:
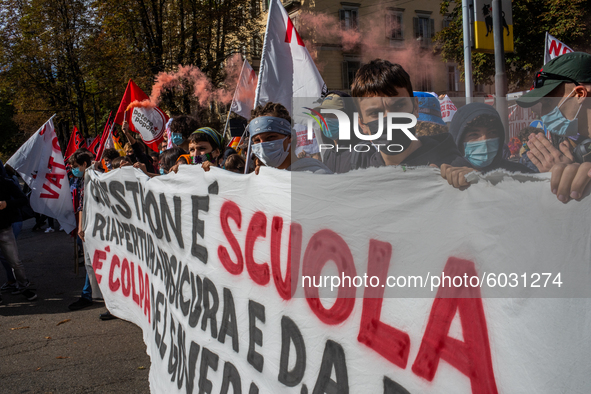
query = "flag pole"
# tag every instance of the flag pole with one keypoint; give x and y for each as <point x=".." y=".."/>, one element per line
<point x="108" y="135"/>
<point x="258" y="91"/>
<point x="232" y="103"/>
<point x="545" y="47"/>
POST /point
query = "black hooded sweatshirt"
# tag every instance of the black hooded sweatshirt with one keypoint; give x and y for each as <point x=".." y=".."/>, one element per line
<point x="457" y="129"/>
<point x="435" y="149"/>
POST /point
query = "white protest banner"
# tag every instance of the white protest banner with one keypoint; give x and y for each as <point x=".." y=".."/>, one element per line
<point x="40" y="163"/>
<point x="448" y="109"/>
<point x="287" y="70"/>
<point x="207" y="263"/>
<point x="554" y="48"/>
<point x="243" y="100"/>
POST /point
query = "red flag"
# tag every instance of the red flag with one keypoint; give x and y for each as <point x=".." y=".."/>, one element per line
<point x="132" y="93"/>
<point x="76" y="142"/>
<point x="93" y="148"/>
<point x="143" y="116"/>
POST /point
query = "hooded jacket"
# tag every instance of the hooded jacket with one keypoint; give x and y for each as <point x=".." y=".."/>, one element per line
<point x="435" y="149"/>
<point x="457" y="129"/>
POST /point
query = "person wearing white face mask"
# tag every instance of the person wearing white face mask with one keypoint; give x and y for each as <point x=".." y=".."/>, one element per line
<point x="271" y="135"/>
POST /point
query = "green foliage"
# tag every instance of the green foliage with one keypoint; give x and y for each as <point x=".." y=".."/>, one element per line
<point x="74" y="57"/>
<point x="569" y="21"/>
<point x="10" y="137"/>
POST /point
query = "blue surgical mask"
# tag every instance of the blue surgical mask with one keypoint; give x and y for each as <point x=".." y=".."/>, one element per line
<point x="271" y="153"/>
<point x="77" y="172"/>
<point x="333" y="129"/>
<point x="177" y="138"/>
<point x="558" y="124"/>
<point x="481" y="153"/>
<point x="162" y="171"/>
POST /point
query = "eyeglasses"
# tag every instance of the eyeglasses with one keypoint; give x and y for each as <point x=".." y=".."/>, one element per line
<point x="542" y="76"/>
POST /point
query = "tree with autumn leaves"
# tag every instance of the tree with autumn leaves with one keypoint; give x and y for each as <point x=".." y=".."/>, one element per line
<point x="568" y="21"/>
<point x="74" y="57"/>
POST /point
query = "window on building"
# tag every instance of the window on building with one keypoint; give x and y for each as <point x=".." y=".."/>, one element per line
<point x="446" y="21"/>
<point x="255" y="8"/>
<point x="349" y="18"/>
<point x="257" y="47"/>
<point x="452" y="78"/>
<point x="424" y="29"/>
<point x="394" y="25"/>
<point x="424" y="82"/>
<point x="350" y="68"/>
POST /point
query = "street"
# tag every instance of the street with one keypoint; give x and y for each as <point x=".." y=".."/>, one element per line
<point x="47" y="348"/>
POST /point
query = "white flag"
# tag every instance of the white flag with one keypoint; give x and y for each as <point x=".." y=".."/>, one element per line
<point x="448" y="109"/>
<point x="41" y="164"/>
<point x="287" y="69"/>
<point x="243" y="101"/>
<point x="554" y="48"/>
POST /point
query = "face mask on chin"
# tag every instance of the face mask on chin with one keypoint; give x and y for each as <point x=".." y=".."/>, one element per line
<point x="271" y="153"/>
<point x="558" y="124"/>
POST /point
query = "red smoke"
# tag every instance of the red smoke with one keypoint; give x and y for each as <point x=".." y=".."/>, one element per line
<point x="203" y="88"/>
<point x="368" y="42"/>
<point x="141" y="104"/>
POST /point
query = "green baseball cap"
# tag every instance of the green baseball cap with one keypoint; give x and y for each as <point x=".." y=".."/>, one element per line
<point x="574" y="66"/>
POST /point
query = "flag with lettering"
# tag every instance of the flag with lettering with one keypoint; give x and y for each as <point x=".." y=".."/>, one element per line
<point x="77" y="141"/>
<point x="40" y="163"/>
<point x="554" y="48"/>
<point x="287" y="69"/>
<point x="243" y="101"/>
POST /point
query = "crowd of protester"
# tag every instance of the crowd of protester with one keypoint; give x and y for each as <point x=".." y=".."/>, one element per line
<point x="473" y="141"/>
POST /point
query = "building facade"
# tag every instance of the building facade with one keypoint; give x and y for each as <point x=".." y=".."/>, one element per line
<point x="342" y="36"/>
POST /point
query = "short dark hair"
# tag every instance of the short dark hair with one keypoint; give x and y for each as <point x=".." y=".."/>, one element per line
<point x="380" y="78"/>
<point x="116" y="162"/>
<point x="81" y="156"/>
<point x="271" y="109"/>
<point x="169" y="157"/>
<point x="110" y="154"/>
<point x="203" y="137"/>
<point x="235" y="163"/>
<point x="184" y="124"/>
